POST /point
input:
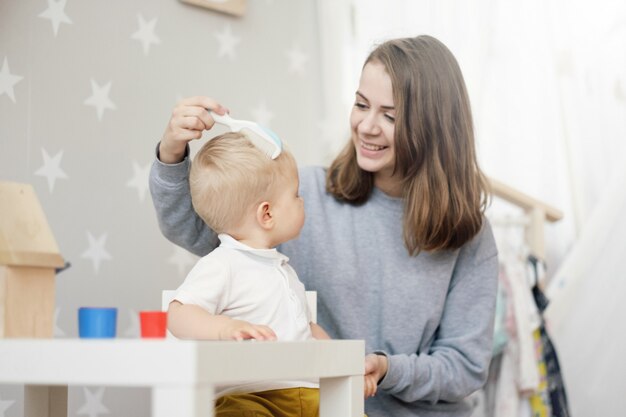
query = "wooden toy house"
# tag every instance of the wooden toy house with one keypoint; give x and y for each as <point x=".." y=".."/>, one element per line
<point x="29" y="257"/>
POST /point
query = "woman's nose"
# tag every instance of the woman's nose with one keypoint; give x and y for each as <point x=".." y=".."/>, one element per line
<point x="369" y="124"/>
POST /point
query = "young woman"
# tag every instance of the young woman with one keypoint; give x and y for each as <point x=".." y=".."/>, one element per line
<point x="395" y="241"/>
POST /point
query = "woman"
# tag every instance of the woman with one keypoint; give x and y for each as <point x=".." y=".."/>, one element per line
<point x="395" y="241"/>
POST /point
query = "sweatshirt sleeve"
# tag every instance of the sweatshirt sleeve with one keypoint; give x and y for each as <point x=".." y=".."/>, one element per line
<point x="178" y="221"/>
<point x="457" y="362"/>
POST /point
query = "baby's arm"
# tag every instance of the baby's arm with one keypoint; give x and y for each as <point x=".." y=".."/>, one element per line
<point x="318" y="332"/>
<point x="188" y="321"/>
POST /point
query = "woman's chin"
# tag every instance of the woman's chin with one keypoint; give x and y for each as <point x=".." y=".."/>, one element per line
<point x="369" y="165"/>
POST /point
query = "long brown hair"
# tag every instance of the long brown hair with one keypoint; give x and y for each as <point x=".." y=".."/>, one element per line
<point x="444" y="191"/>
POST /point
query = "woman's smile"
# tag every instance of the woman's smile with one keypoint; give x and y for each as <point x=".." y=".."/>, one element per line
<point x="371" y="147"/>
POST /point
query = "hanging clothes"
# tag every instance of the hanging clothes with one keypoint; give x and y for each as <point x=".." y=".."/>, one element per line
<point x="524" y="376"/>
<point x="513" y="374"/>
<point x="518" y="376"/>
<point x="555" y="386"/>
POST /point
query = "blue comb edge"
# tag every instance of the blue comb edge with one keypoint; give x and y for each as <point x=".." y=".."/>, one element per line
<point x="274" y="136"/>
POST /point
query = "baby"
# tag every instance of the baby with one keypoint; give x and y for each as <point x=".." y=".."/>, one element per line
<point x="245" y="288"/>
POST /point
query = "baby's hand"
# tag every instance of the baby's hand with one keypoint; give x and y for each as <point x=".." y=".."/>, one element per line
<point x="242" y="330"/>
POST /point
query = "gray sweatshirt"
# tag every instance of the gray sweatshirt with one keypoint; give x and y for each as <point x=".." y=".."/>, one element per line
<point x="432" y="315"/>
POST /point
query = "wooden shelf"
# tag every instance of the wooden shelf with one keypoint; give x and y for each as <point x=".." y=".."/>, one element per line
<point x="524" y="201"/>
<point x="537" y="211"/>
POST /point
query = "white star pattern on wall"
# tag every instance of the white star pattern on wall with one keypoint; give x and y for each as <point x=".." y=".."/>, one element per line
<point x="56" y="14"/>
<point x="8" y="80"/>
<point x="96" y="251"/>
<point x="133" y="327"/>
<point x="4" y="406"/>
<point x="145" y="34"/>
<point x="140" y="179"/>
<point x="93" y="406"/>
<point x="100" y="98"/>
<point x="297" y="59"/>
<point x="227" y="42"/>
<point x="183" y="260"/>
<point x="51" y="168"/>
<point x="262" y="115"/>
<point x="58" y="332"/>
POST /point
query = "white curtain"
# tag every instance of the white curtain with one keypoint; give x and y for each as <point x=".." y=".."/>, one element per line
<point x="587" y="307"/>
<point x="547" y="82"/>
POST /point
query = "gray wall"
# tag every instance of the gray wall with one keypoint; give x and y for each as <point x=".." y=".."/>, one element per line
<point x="90" y="170"/>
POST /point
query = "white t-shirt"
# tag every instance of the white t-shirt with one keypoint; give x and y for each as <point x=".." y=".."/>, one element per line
<point x="255" y="285"/>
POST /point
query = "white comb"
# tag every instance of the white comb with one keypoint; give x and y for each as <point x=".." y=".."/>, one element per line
<point x="261" y="137"/>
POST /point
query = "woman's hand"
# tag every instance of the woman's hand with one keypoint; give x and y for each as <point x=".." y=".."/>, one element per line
<point x="189" y="119"/>
<point x="375" y="370"/>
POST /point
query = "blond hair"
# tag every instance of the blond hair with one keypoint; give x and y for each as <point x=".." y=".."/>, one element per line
<point x="229" y="176"/>
<point x="444" y="191"/>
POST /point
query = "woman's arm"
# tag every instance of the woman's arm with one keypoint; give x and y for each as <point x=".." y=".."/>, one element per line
<point x="457" y="362"/>
<point x="169" y="176"/>
<point x="178" y="221"/>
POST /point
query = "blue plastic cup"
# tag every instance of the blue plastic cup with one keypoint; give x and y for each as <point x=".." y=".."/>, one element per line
<point x="97" y="322"/>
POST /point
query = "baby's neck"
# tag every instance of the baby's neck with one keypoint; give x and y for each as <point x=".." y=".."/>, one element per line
<point x="254" y="240"/>
<point x="254" y="243"/>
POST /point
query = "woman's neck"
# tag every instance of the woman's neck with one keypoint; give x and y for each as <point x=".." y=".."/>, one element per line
<point x="390" y="185"/>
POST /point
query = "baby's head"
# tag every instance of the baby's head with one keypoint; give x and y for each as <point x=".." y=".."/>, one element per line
<point x="230" y="178"/>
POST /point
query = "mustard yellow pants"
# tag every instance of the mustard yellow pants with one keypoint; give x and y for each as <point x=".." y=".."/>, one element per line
<point x="290" y="402"/>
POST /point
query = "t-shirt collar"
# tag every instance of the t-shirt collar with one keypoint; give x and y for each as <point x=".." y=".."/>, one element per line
<point x="227" y="241"/>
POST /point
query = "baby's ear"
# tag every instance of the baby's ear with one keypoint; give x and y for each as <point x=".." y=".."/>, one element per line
<point x="264" y="215"/>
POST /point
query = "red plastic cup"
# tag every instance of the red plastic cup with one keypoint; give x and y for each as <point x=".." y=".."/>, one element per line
<point x="153" y="324"/>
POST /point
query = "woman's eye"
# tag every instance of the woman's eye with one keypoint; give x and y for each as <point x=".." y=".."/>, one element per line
<point x="390" y="118"/>
<point x="360" y="105"/>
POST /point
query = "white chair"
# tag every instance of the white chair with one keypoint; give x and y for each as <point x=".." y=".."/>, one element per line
<point x="166" y="298"/>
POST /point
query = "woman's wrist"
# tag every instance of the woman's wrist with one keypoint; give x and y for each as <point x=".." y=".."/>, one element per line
<point x="383" y="364"/>
<point x="168" y="156"/>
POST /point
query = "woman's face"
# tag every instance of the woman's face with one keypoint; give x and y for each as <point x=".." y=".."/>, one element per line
<point x="372" y="123"/>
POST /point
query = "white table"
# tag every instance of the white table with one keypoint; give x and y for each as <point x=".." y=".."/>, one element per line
<point x="181" y="373"/>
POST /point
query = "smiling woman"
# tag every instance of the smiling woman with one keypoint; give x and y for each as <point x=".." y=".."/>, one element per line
<point x="412" y="137"/>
